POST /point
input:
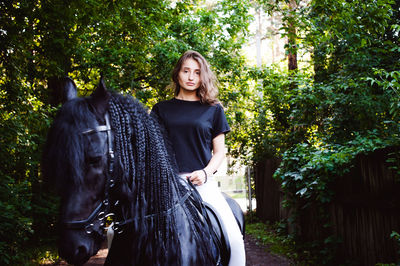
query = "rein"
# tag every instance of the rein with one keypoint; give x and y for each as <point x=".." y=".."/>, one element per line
<point x="117" y="225"/>
<point x="102" y="211"/>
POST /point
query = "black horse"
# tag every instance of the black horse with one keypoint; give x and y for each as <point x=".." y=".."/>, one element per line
<point x="110" y="161"/>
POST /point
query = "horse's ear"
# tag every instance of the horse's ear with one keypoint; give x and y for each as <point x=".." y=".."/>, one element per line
<point x="100" y="97"/>
<point x="62" y="90"/>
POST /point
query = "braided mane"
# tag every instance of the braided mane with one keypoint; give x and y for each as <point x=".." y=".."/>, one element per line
<point x="149" y="174"/>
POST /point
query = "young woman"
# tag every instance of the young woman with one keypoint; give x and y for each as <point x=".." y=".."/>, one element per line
<point x="196" y="125"/>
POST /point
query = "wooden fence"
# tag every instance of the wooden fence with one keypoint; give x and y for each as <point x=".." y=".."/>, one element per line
<point x="363" y="214"/>
<point x="268" y="194"/>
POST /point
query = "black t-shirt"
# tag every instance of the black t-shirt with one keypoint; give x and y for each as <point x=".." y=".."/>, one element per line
<point x="191" y="127"/>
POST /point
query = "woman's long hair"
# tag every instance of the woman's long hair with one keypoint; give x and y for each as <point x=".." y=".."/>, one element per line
<point x="208" y="90"/>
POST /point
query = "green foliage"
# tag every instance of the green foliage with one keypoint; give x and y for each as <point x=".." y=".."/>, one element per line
<point x="351" y="36"/>
<point x="318" y="120"/>
<point x="133" y="43"/>
<point x="396" y="236"/>
<point x="307" y="171"/>
<point x="394" y="163"/>
<point x="390" y="83"/>
<point x="21" y="204"/>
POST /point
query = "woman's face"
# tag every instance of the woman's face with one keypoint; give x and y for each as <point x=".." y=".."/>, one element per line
<point x="189" y="75"/>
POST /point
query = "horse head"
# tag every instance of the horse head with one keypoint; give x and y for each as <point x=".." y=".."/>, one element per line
<point x="76" y="160"/>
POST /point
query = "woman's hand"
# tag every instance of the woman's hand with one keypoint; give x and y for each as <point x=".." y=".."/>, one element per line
<point x="197" y="177"/>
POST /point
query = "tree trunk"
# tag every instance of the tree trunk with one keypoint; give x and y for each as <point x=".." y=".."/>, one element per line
<point x="292" y="46"/>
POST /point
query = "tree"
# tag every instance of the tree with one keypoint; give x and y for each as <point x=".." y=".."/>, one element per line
<point x="341" y="109"/>
<point x="133" y="43"/>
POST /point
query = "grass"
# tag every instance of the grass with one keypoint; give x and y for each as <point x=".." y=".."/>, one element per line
<point x="266" y="235"/>
<point x="40" y="253"/>
<point x="44" y="255"/>
<point x="277" y="241"/>
<point x="237" y="195"/>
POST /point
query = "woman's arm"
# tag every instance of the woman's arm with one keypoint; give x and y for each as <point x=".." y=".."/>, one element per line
<point x="198" y="177"/>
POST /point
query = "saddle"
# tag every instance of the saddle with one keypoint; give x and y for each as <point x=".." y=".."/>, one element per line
<point x="219" y="234"/>
<point x="217" y="228"/>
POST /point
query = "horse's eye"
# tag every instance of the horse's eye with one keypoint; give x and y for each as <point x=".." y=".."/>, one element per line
<point x="94" y="161"/>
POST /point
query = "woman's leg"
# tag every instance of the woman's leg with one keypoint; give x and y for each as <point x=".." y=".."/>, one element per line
<point x="211" y="194"/>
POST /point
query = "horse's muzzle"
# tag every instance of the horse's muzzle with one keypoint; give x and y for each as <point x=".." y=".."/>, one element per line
<point x="76" y="247"/>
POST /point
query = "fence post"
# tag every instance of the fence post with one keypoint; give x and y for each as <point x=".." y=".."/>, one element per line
<point x="249" y="189"/>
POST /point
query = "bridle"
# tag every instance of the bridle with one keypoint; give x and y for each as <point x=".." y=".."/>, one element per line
<point x="102" y="211"/>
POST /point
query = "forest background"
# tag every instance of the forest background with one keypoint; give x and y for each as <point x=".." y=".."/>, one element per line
<point x="334" y="95"/>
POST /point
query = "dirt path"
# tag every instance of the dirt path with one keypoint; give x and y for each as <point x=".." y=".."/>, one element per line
<point x="256" y="255"/>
